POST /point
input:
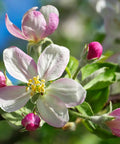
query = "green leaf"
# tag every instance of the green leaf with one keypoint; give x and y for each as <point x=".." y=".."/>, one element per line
<point x="15" y="118"/>
<point x="97" y="98"/>
<point x="103" y="133"/>
<point x="89" y="125"/>
<point x="99" y="75"/>
<point x="72" y="66"/>
<point x="101" y="81"/>
<point x="5" y="131"/>
<point x="92" y="76"/>
<point x="106" y="55"/>
<point x="84" y="109"/>
<point x="97" y="130"/>
<point x="90" y="68"/>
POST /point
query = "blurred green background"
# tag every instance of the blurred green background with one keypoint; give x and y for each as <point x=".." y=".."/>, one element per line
<point x="79" y="24"/>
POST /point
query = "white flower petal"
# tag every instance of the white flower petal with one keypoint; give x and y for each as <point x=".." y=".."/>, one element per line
<point x="52" y="111"/>
<point x="13" y="98"/>
<point x="67" y="90"/>
<point x="52" y="62"/>
<point x="18" y="64"/>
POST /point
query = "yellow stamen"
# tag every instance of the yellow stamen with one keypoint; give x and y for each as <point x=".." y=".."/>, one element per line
<point x="32" y="93"/>
<point x="33" y="87"/>
<point x="42" y="80"/>
<point x="39" y="89"/>
<point x="42" y="89"/>
<point x="37" y="82"/>
<point x="38" y="77"/>
<point x="36" y="86"/>
<point x="30" y="81"/>
<point x="27" y="88"/>
<point x="28" y="84"/>
<point x="42" y="85"/>
<point x="35" y="79"/>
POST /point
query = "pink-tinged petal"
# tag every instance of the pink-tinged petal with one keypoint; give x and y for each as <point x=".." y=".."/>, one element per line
<point x="68" y="90"/>
<point x="13" y="29"/>
<point x="116" y="132"/>
<point x="51" y="15"/>
<point x="47" y="10"/>
<point x="32" y="9"/>
<point x="33" y="25"/>
<point x="52" y="62"/>
<point x="2" y="80"/>
<point x="52" y="24"/>
<point x="116" y="113"/>
<point x="18" y="64"/>
<point x="114" y="124"/>
<point x="13" y="98"/>
<point x="52" y="111"/>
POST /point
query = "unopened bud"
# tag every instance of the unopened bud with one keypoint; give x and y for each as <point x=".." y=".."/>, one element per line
<point x="94" y="50"/>
<point x="31" y="122"/>
<point x="2" y="80"/>
<point x="69" y="126"/>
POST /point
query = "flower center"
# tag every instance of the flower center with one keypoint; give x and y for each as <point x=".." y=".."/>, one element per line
<point x="36" y="86"/>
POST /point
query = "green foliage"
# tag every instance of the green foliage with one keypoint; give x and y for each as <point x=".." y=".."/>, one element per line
<point x="97" y="98"/>
<point x="14" y="118"/>
<point x="85" y="109"/>
<point x="103" y="133"/>
<point x="99" y="80"/>
<point x="6" y="130"/>
<point x="72" y="66"/>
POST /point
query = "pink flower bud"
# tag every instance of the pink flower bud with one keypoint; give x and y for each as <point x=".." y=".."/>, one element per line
<point x="94" y="50"/>
<point x="31" y="122"/>
<point x="2" y="80"/>
<point x="114" y="125"/>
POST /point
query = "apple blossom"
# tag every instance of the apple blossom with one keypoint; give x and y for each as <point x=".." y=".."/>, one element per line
<point x="54" y="98"/>
<point x="36" y="25"/>
<point x="94" y="50"/>
<point x="114" y="125"/>
<point x="2" y="80"/>
<point x="31" y="122"/>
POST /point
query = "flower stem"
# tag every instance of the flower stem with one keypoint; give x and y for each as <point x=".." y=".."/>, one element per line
<point x="77" y="71"/>
<point x="48" y="40"/>
<point x="68" y="72"/>
<point x="35" y="49"/>
<point x="95" y="119"/>
<point x="82" y="62"/>
<point x="80" y="115"/>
